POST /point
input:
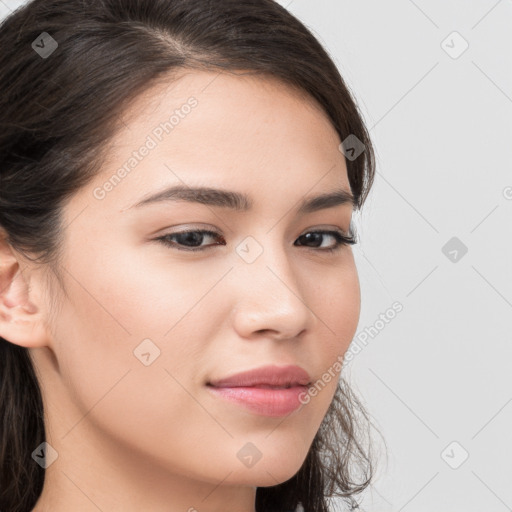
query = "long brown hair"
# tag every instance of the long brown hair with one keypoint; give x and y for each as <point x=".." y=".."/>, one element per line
<point x="62" y="99"/>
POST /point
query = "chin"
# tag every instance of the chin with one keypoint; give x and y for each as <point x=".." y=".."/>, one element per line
<point x="278" y="475"/>
<point x="267" y="474"/>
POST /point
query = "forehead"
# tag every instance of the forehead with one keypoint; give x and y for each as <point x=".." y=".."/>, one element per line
<point x="245" y="89"/>
<point x="239" y="131"/>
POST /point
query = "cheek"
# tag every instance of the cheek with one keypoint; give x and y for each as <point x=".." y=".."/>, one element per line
<point x="119" y="309"/>
<point x="142" y="407"/>
<point x="337" y="300"/>
<point x="115" y="308"/>
<point x="334" y="298"/>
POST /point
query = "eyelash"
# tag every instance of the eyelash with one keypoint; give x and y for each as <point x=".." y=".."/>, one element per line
<point x="341" y="240"/>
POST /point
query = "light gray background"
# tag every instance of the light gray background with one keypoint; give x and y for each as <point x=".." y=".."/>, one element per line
<point x="438" y="372"/>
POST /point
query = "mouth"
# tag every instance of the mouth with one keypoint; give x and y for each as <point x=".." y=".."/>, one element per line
<point x="272" y="391"/>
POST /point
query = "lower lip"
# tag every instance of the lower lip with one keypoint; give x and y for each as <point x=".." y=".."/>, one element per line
<point x="264" y="401"/>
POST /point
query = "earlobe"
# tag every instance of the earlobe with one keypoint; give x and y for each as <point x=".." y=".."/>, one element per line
<point x="21" y="322"/>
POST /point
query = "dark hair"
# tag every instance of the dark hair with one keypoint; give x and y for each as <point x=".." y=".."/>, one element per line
<point x="59" y="110"/>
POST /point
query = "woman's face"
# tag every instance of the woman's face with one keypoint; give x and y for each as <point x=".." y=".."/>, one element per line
<point x="145" y="325"/>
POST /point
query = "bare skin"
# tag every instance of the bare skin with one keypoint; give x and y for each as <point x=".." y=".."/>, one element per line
<point x="131" y="436"/>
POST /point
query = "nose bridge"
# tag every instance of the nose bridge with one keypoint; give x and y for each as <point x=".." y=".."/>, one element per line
<point x="266" y="259"/>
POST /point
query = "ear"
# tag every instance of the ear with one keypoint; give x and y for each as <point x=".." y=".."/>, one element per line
<point x="21" y="322"/>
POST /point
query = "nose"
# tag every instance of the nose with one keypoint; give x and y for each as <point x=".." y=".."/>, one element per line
<point x="271" y="296"/>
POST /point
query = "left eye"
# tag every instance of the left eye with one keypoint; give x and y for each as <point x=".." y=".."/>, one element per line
<point x="192" y="239"/>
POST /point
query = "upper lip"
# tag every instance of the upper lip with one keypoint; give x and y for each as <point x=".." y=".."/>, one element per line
<point x="290" y="375"/>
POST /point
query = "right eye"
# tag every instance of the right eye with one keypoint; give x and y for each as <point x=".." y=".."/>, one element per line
<point x="191" y="239"/>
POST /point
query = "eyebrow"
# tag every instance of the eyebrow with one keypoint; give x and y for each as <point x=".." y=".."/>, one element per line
<point x="238" y="201"/>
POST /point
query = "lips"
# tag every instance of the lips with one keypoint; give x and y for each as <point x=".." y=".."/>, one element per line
<point x="266" y="377"/>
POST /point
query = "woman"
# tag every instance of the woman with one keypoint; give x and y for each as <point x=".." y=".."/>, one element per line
<point x="177" y="284"/>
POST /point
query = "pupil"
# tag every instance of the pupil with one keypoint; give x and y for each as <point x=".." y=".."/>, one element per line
<point x="310" y="236"/>
<point x="192" y="237"/>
